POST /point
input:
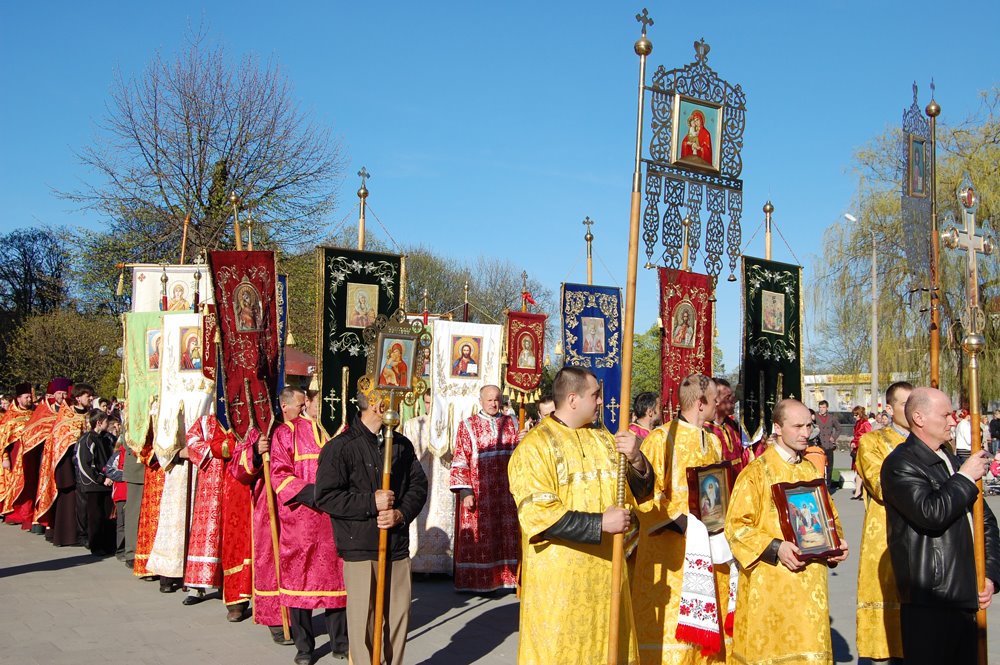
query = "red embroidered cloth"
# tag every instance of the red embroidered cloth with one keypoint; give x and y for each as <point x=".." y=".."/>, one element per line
<point x="525" y="351"/>
<point x="687" y="312"/>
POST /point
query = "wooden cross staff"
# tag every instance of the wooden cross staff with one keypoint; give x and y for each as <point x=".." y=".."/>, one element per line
<point x="973" y="343"/>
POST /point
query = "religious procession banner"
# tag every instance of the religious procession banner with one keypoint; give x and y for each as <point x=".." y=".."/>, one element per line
<point x="687" y="311"/>
<point x="772" y="340"/>
<point x="246" y="307"/>
<point x="524" y="339"/>
<point x="185" y="393"/>
<point x="209" y="341"/>
<point x="354" y="288"/>
<point x="143" y="350"/>
<point x="182" y="291"/>
<point x="466" y="357"/>
<point x="282" y="328"/>
<point x="591" y="330"/>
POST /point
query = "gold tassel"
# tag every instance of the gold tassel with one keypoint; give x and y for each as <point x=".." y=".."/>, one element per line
<point x="120" y="291"/>
<point x="289" y="339"/>
<point x="402" y="282"/>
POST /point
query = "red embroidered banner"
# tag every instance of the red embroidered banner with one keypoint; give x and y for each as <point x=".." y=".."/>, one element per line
<point x="687" y="313"/>
<point x="209" y="329"/>
<point x="247" y="315"/>
<point x="525" y="343"/>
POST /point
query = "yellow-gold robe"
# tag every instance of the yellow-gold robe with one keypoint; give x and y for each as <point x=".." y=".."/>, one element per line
<point x="659" y="567"/>
<point x="879" y="635"/>
<point x="781" y="617"/>
<point x="566" y="586"/>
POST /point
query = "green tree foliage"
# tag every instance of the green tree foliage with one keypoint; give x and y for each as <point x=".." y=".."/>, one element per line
<point x="646" y="361"/>
<point x="81" y="347"/>
<point x="840" y="297"/>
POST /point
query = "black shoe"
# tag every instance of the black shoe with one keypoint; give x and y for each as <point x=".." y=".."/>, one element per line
<point x="130" y="564"/>
<point x="169" y="585"/>
<point x="38" y="529"/>
<point x="192" y="600"/>
<point x="339" y="655"/>
<point x="303" y="658"/>
<point x="278" y="636"/>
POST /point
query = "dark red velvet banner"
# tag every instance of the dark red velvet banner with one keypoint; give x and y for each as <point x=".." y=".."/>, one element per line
<point x="247" y="314"/>
<point x="525" y="352"/>
<point x="686" y="310"/>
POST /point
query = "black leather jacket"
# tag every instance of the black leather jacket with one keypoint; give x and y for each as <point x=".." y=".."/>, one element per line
<point x="930" y="538"/>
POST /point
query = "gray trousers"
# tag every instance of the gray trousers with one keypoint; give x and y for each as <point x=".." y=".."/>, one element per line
<point x="133" y="504"/>
<point x="360" y="581"/>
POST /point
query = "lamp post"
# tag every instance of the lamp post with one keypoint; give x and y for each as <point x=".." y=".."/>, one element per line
<point x="875" y="395"/>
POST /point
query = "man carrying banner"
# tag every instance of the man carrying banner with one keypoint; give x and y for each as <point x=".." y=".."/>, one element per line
<point x="305" y="533"/>
<point x="684" y="625"/>
<point x="486" y="545"/>
<point x="879" y="636"/>
<point x="563" y="478"/>
<point x="774" y="583"/>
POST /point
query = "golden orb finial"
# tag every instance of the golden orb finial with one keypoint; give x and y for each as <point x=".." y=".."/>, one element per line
<point x="768" y="207"/>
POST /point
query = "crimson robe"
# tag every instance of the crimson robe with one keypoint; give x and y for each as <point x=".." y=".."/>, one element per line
<point x="732" y="443"/>
<point x="69" y="427"/>
<point x="21" y="507"/>
<point x="149" y="511"/>
<point x="487" y="545"/>
<point x="219" y="550"/>
<point x="312" y="572"/>
<point x="266" y="610"/>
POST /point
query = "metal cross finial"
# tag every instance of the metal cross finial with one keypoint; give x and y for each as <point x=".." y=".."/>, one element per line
<point x="588" y="222"/>
<point x="524" y="280"/>
<point x="364" y="175"/>
<point x="915" y="92"/>
<point x="645" y="19"/>
<point x="966" y="239"/>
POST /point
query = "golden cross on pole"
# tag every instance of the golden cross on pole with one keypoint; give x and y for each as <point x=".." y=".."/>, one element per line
<point x="973" y="344"/>
<point x="362" y="195"/>
<point x="524" y="290"/>
<point x="589" y="237"/>
<point x="236" y="221"/>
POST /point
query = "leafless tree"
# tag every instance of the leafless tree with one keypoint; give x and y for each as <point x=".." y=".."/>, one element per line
<point x="178" y="139"/>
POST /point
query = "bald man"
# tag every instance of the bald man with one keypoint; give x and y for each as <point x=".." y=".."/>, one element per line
<point x="487" y="542"/>
<point x="929" y="515"/>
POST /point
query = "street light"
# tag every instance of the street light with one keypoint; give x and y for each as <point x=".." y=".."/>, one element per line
<point x="874" y="363"/>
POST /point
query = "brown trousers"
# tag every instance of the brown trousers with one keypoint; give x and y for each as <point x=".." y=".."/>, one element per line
<point x="360" y="581"/>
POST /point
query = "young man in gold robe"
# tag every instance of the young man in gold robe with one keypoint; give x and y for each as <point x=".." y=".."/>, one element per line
<point x="563" y="477"/>
<point x="673" y="448"/>
<point x="879" y="636"/>
<point x="782" y="606"/>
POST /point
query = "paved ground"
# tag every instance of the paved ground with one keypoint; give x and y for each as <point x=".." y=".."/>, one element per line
<point x="64" y="606"/>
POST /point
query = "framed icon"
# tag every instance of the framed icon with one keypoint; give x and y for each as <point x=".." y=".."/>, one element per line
<point x="697" y="133"/>
<point x="806" y="516"/>
<point x="709" y="488"/>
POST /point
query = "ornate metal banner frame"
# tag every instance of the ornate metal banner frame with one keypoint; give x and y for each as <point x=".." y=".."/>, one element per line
<point x="915" y="200"/>
<point x="697" y="124"/>
<point x="394" y="346"/>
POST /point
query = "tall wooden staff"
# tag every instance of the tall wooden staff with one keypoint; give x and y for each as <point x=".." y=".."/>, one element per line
<point x="933" y="111"/>
<point x="390" y="419"/>
<point x="643" y="47"/>
<point x="973" y="343"/>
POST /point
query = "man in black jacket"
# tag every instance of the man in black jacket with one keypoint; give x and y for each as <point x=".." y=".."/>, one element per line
<point x="929" y="510"/>
<point x="348" y="478"/>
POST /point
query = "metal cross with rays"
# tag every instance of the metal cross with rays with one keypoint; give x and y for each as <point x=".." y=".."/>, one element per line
<point x="645" y="19"/>
<point x="966" y="239"/>
<point x="588" y="222"/>
<point x="364" y="175"/>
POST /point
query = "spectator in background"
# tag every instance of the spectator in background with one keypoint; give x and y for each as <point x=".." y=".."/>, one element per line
<point x="829" y="430"/>
<point x="92" y="454"/>
<point x="995" y="432"/>
<point x="648" y="414"/>
<point x="861" y="427"/>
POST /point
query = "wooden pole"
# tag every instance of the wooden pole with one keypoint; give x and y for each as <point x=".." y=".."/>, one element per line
<point x="362" y="195"/>
<point x="978" y="536"/>
<point x="686" y="248"/>
<point x="933" y="111"/>
<point x="643" y="47"/>
<point x="768" y="209"/>
<point x="184" y="237"/>
<point x="524" y="308"/>
<point x="236" y="222"/>
<point x="390" y="419"/>
<point x="589" y="237"/>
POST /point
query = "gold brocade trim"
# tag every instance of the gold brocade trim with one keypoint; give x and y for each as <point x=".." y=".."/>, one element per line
<point x="258" y="592"/>
<point x="878" y="606"/>
<point x="812" y="657"/>
<point x="299" y="458"/>
<point x="284" y="484"/>
<point x="588" y="476"/>
<point x="243" y="598"/>
<point x="537" y="497"/>
<point x="292" y="592"/>
<point x="236" y="569"/>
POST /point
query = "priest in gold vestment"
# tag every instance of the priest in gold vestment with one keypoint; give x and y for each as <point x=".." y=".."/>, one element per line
<point x="782" y="605"/>
<point x="563" y="477"/>
<point x="879" y="636"/>
<point x="672" y="448"/>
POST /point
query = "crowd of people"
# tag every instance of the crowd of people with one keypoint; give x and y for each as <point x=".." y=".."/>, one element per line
<point x="288" y="522"/>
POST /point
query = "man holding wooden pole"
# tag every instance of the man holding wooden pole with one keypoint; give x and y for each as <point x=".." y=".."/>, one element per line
<point x="348" y="479"/>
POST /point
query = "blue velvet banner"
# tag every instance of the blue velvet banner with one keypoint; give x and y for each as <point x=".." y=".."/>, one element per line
<point x="591" y="330"/>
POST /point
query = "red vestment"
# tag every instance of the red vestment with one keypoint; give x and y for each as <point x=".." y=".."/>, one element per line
<point x="11" y="427"/>
<point x="312" y="572"/>
<point x="266" y="610"/>
<point x="701" y="148"/>
<point x="69" y="427"/>
<point x="732" y="443"/>
<point x="487" y="545"/>
<point x="149" y="512"/>
<point x="219" y="551"/>
<point x="21" y="507"/>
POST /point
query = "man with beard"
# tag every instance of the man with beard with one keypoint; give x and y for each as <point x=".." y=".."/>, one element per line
<point x="11" y="428"/>
<point x="486" y="544"/>
<point x="21" y="507"/>
<point x="465" y="365"/>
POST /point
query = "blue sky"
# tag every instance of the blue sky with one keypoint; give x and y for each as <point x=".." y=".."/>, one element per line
<point x="498" y="127"/>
